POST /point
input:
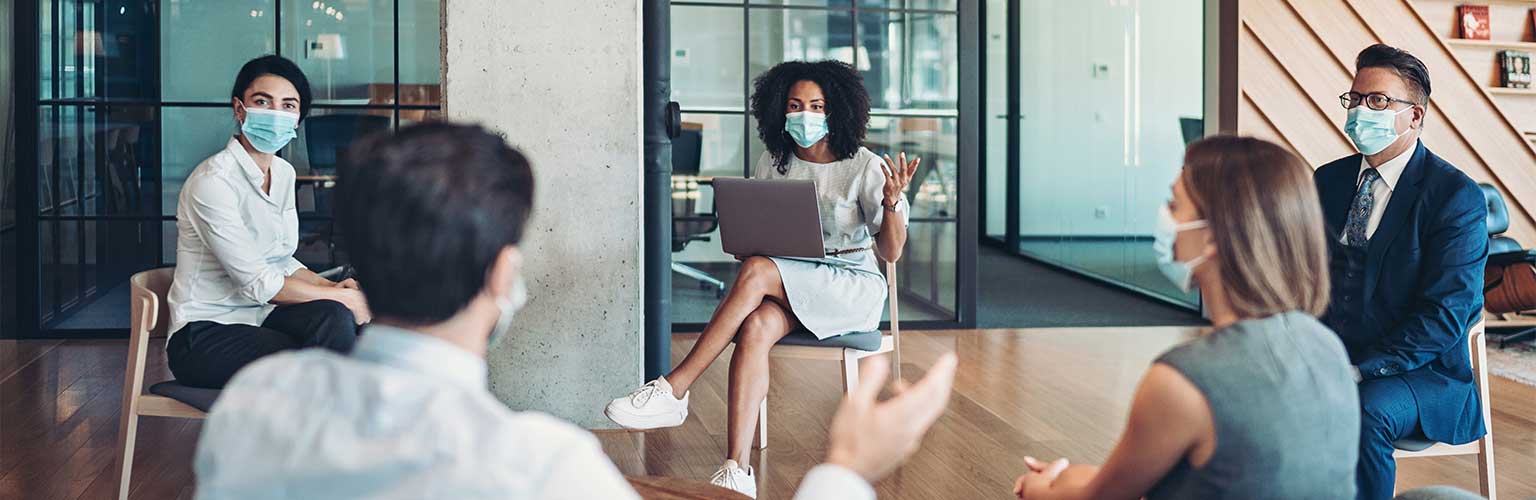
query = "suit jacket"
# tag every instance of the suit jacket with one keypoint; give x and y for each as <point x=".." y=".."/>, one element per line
<point x="1423" y="286"/>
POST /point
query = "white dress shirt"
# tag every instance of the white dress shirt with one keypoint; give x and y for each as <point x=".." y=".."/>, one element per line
<point x="1381" y="192"/>
<point x="235" y="242"/>
<point x="406" y="416"/>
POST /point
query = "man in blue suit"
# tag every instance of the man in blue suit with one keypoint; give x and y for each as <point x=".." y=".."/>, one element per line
<point x="1408" y="243"/>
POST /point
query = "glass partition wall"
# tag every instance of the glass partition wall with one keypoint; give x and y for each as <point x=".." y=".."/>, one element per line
<point x="132" y="95"/>
<point x="907" y="52"/>
<point x="1089" y="105"/>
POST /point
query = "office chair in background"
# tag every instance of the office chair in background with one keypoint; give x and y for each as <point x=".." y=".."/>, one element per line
<point x="1192" y="128"/>
<point x="326" y="138"/>
<point x="1509" y="280"/>
<point x="687" y="225"/>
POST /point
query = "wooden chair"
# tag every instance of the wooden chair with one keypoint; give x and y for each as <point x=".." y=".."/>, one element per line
<point x="803" y="345"/>
<point x="1483" y="447"/>
<point x="148" y="312"/>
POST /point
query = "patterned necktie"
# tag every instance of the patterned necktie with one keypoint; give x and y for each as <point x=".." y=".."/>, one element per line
<point x="1360" y="210"/>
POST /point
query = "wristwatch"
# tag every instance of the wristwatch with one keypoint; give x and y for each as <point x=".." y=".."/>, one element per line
<point x="894" y="207"/>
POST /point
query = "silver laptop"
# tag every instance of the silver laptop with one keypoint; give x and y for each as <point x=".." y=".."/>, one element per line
<point x="771" y="217"/>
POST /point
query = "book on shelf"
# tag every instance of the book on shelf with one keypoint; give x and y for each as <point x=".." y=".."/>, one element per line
<point x="1514" y="69"/>
<point x="1474" y="22"/>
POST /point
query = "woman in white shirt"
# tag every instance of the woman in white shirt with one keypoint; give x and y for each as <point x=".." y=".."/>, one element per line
<point x="238" y="293"/>
<point x="812" y="118"/>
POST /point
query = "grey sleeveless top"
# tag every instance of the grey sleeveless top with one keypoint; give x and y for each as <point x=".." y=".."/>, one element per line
<point x="1286" y="410"/>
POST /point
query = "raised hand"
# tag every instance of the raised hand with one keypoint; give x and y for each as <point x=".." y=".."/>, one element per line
<point x="898" y="175"/>
<point x="873" y="437"/>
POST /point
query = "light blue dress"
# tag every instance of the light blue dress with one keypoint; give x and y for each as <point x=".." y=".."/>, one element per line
<point x="832" y="300"/>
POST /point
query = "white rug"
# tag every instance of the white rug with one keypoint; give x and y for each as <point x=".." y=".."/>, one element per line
<point x="1517" y="362"/>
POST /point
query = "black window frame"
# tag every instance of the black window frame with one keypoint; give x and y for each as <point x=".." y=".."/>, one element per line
<point x="32" y="320"/>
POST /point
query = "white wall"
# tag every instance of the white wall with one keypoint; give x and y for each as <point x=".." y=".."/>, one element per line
<point x="1098" y="152"/>
<point x="579" y="342"/>
<point x="995" y="104"/>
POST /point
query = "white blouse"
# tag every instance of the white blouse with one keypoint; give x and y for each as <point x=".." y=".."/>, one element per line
<point x="235" y="243"/>
<point x="849" y="194"/>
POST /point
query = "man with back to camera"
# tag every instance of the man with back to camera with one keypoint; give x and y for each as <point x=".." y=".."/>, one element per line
<point x="1408" y="240"/>
<point x="433" y="228"/>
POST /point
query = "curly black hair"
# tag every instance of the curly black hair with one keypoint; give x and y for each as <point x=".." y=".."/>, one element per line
<point x="847" y="107"/>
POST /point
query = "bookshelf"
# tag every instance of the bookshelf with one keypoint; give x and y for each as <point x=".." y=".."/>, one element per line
<point x="1510" y="28"/>
<point x="1492" y="44"/>
<point x="1511" y="91"/>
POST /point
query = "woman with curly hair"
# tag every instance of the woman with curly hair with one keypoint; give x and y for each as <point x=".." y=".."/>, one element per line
<point x="812" y="117"/>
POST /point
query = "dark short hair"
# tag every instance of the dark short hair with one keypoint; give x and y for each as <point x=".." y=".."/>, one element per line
<point x="424" y="213"/>
<point x="277" y="66"/>
<point x="847" y="106"/>
<point x="1407" y="67"/>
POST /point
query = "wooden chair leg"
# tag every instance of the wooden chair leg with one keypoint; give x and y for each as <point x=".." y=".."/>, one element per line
<point x="850" y="371"/>
<point x="1485" y="467"/>
<point x="762" y="424"/>
<point x="127" y="435"/>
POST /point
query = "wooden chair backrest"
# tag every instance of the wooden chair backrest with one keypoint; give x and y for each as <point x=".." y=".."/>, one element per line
<point x="148" y="312"/>
<point x="149" y="288"/>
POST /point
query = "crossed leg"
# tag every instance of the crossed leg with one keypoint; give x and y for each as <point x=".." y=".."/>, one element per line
<point x="756" y="314"/>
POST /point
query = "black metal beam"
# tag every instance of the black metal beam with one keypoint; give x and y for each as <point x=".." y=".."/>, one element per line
<point x="27" y="81"/>
<point x="972" y="35"/>
<point x="661" y="120"/>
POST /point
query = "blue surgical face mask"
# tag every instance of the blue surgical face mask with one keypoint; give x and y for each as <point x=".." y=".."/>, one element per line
<point x="1372" y="130"/>
<point x="805" y="127"/>
<point x="1180" y="273"/>
<point x="268" y="130"/>
<point x="509" y="306"/>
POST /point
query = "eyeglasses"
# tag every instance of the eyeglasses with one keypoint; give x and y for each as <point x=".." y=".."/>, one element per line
<point x="1374" y="100"/>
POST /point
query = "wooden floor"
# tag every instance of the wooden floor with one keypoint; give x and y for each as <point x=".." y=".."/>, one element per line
<point x="1043" y="392"/>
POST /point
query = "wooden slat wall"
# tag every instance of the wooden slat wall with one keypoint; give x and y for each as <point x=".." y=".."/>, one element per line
<point x="1297" y="56"/>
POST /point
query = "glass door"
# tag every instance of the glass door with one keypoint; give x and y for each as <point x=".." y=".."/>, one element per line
<point x="1090" y="105"/>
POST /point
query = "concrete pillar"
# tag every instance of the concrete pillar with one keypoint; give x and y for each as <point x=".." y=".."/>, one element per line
<point x="562" y="81"/>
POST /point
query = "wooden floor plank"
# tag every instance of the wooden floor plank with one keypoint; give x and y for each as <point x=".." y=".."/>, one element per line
<point x="1041" y="392"/>
<point x="14" y="355"/>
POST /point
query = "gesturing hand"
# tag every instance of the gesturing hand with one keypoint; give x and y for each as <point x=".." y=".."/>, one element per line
<point x="898" y="175"/>
<point x="872" y="437"/>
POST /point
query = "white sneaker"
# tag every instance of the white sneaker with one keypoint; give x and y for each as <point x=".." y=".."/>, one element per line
<point x="731" y="476"/>
<point x="652" y="406"/>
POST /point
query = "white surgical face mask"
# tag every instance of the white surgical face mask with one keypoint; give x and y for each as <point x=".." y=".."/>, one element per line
<point x="509" y="305"/>
<point x="1180" y="273"/>
<point x="1372" y="131"/>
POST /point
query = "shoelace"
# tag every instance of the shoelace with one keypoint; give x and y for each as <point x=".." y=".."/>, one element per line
<point x="723" y="477"/>
<point x="644" y="393"/>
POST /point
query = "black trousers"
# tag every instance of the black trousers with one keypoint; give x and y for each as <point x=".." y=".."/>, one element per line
<point x="207" y="354"/>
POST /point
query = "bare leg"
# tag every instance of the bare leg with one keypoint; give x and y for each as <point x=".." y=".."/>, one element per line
<point x="759" y="280"/>
<point x="749" y="375"/>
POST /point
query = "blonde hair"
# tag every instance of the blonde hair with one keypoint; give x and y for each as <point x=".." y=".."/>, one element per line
<point x="1266" y="222"/>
